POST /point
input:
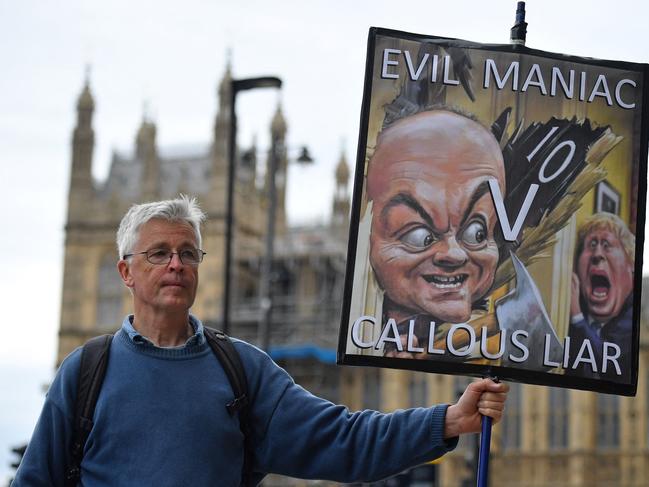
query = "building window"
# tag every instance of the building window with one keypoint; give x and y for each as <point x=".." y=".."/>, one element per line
<point x="558" y="421"/>
<point x="418" y="390"/>
<point x="608" y="421"/>
<point x="371" y="388"/>
<point x="511" y="423"/>
<point x="109" y="295"/>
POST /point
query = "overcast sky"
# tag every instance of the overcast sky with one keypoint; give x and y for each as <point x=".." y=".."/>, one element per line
<point x="172" y="55"/>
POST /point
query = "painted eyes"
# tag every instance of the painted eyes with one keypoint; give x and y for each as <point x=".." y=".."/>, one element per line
<point x="593" y="244"/>
<point x="474" y="234"/>
<point x="419" y="238"/>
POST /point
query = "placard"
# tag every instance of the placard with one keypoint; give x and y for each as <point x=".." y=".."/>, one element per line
<point x="498" y="214"/>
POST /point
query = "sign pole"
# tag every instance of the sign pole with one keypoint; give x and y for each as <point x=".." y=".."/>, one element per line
<point x="483" y="458"/>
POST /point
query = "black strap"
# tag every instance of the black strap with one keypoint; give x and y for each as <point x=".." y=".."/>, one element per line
<point x="94" y="359"/>
<point x="230" y="360"/>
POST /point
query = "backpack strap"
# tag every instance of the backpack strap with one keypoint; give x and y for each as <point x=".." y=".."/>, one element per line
<point x="230" y="360"/>
<point x="94" y="359"/>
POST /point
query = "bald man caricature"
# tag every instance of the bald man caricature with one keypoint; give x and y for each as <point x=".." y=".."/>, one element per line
<point x="432" y="245"/>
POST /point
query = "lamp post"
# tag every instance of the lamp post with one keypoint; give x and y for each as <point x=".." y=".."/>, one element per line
<point x="236" y="86"/>
<point x="265" y="288"/>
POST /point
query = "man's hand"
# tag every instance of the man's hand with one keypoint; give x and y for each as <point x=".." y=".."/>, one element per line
<point x="481" y="398"/>
<point x="575" y="309"/>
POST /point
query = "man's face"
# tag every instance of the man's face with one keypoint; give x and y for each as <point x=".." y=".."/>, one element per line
<point x="158" y="287"/>
<point x="605" y="274"/>
<point x="432" y="243"/>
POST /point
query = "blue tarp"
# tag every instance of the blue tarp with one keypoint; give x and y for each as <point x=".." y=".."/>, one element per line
<point x="324" y="355"/>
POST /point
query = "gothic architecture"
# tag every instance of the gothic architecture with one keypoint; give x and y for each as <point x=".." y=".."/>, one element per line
<point x="549" y="438"/>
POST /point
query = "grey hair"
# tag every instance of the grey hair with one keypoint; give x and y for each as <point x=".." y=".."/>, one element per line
<point x="181" y="209"/>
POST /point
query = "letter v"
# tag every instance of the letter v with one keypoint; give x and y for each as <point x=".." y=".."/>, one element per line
<point x="411" y="69"/>
<point x="510" y="234"/>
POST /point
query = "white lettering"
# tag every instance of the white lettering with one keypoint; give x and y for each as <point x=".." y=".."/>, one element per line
<point x="411" y="339"/>
<point x="546" y="352"/>
<point x="613" y="358"/>
<point x="566" y="352"/>
<point x="536" y="70"/>
<point x="590" y="359"/>
<point x="357" y="340"/>
<point x="483" y="345"/>
<point x="414" y="75"/>
<point x="510" y="234"/>
<point x="540" y="144"/>
<point x="520" y="346"/>
<point x="449" y="340"/>
<point x="491" y="68"/>
<point x="601" y="80"/>
<point x="431" y="341"/>
<point x="447" y="78"/>
<point x="387" y="62"/>
<point x="433" y="74"/>
<point x="571" y="152"/>
<point x="567" y="88"/>
<point x="390" y="326"/>
<point x="618" y="97"/>
<point x="582" y="86"/>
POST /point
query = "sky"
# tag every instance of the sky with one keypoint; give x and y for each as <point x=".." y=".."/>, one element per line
<point x="169" y="58"/>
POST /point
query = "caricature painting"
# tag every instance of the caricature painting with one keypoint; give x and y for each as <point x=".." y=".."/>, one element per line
<point x="498" y="214"/>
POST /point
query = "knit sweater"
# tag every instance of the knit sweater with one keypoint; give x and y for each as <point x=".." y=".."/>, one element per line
<point x="161" y="420"/>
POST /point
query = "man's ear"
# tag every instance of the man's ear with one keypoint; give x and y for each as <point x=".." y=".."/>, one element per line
<point x="124" y="269"/>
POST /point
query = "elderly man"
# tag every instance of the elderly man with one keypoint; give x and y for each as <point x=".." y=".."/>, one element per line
<point x="602" y="297"/>
<point x="160" y="418"/>
<point x="432" y="245"/>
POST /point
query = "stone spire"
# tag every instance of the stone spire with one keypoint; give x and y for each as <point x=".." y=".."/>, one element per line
<point x="83" y="143"/>
<point x="146" y="154"/>
<point x="215" y="202"/>
<point x="340" y="210"/>
<point x="222" y="121"/>
<point x="278" y="151"/>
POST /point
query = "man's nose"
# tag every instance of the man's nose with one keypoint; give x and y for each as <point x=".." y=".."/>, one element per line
<point x="597" y="254"/>
<point x="450" y="255"/>
<point x="175" y="263"/>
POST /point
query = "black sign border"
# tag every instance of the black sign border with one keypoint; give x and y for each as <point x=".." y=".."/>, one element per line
<point x="506" y="373"/>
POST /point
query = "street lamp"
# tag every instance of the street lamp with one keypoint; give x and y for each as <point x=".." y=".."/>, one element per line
<point x="265" y="288"/>
<point x="236" y="86"/>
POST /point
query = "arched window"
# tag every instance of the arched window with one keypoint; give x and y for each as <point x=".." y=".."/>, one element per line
<point x="558" y="424"/>
<point x="608" y="421"/>
<point x="418" y="390"/>
<point x="511" y="423"/>
<point x="109" y="294"/>
<point x="371" y="388"/>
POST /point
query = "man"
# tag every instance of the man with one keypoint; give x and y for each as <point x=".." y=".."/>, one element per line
<point x="160" y="418"/>
<point x="602" y="297"/>
<point x="432" y="245"/>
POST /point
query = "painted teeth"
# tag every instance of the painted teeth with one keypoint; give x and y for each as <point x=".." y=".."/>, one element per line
<point x="442" y="280"/>
<point x="447" y="282"/>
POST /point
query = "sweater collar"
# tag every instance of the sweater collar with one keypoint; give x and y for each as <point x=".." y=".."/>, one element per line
<point x="198" y="338"/>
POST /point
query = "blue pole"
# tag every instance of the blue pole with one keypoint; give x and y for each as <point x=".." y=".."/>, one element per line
<point x="483" y="458"/>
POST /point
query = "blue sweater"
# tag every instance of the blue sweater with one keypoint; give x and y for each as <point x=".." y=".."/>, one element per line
<point x="161" y="420"/>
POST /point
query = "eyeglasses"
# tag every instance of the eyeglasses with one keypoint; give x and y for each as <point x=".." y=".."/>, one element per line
<point x="163" y="256"/>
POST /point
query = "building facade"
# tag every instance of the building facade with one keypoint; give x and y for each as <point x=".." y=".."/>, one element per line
<point x="550" y="437"/>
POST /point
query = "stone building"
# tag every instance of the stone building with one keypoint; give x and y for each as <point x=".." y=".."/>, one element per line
<point x="550" y="437"/>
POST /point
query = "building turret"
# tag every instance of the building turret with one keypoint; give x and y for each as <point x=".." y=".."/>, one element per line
<point x="222" y="122"/>
<point x="146" y="154"/>
<point x="83" y="143"/>
<point x="278" y="152"/>
<point x="220" y="142"/>
<point x="340" y="210"/>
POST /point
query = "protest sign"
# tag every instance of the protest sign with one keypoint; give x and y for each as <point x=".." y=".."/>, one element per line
<point x="498" y="214"/>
